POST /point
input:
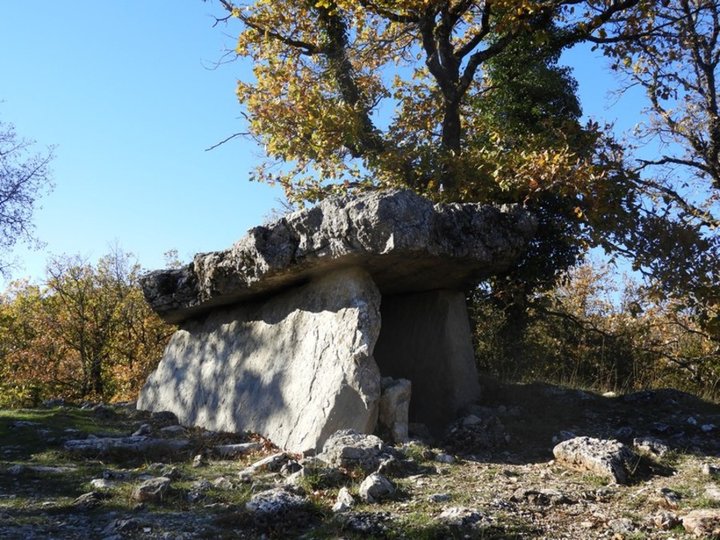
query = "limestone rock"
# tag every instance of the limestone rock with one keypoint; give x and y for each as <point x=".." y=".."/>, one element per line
<point x="274" y="502"/>
<point x="403" y="240"/>
<point x="271" y="463"/>
<point x="349" y="449"/>
<point x="460" y="517"/>
<point x="229" y="451"/>
<point x="651" y="445"/>
<point x="703" y="523"/>
<point x="344" y="501"/>
<point x="152" y="490"/>
<point x="375" y="488"/>
<point x="607" y="458"/>
<point x="394" y="407"/>
<point x="137" y="445"/>
<point x="89" y="500"/>
<point x="295" y="368"/>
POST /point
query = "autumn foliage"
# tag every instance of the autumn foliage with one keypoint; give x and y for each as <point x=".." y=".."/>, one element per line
<point x="85" y="333"/>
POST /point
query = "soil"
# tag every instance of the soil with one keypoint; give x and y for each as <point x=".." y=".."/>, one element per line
<point x="491" y="475"/>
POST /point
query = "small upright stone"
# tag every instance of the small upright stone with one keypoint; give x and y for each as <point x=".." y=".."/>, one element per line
<point x="395" y="407"/>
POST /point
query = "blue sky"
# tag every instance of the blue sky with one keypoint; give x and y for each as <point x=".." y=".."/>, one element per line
<point x="126" y="93"/>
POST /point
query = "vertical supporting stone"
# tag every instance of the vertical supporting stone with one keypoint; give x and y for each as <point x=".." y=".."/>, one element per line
<point x="426" y="338"/>
<point x="295" y="368"/>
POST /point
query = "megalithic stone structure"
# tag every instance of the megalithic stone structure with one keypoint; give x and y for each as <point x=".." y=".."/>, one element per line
<point x="289" y="332"/>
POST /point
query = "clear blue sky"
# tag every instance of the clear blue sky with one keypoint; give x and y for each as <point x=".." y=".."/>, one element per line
<point x="125" y="91"/>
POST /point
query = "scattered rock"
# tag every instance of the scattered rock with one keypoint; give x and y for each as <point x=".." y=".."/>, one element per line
<point x="375" y="488"/>
<point x="198" y="461"/>
<point x="711" y="470"/>
<point x="665" y="520"/>
<point x="712" y="493"/>
<point x="607" y="458"/>
<point x="349" y="449"/>
<point x="275" y="502"/>
<point x="445" y="458"/>
<point x="703" y="523"/>
<point x="651" y="445"/>
<point x="395" y="407"/>
<point x="540" y="497"/>
<point x="153" y="490"/>
<point x="439" y="497"/>
<point x="140" y="445"/>
<point x="367" y="524"/>
<point x="271" y="463"/>
<point x="222" y="483"/>
<point x="473" y="433"/>
<point x="344" y="501"/>
<point x="89" y="500"/>
<point x="101" y="483"/>
<point x="621" y="526"/>
<point x="460" y="517"/>
<point x="144" y="429"/>
<point x="230" y="451"/>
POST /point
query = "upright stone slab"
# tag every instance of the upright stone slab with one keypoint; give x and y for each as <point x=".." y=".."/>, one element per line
<point x="295" y="368"/>
<point x="426" y="338"/>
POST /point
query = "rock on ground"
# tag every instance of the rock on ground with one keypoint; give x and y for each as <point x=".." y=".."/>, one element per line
<point x="375" y="488"/>
<point x="152" y="490"/>
<point x="608" y="458"/>
<point x="136" y="445"/>
<point x="703" y="523"/>
<point x="275" y="501"/>
<point x="344" y="501"/>
<point x="294" y="369"/>
<point x="349" y="449"/>
<point x="395" y="407"/>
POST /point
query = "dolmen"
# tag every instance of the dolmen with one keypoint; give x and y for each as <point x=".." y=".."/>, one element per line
<point x="297" y="330"/>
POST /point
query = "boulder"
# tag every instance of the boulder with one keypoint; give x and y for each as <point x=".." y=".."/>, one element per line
<point x="295" y="368"/>
<point x="607" y="458"/>
<point x="404" y="241"/>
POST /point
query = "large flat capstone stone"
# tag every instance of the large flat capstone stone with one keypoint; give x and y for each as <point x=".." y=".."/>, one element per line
<point x="295" y="368"/>
<point x="404" y="241"/>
